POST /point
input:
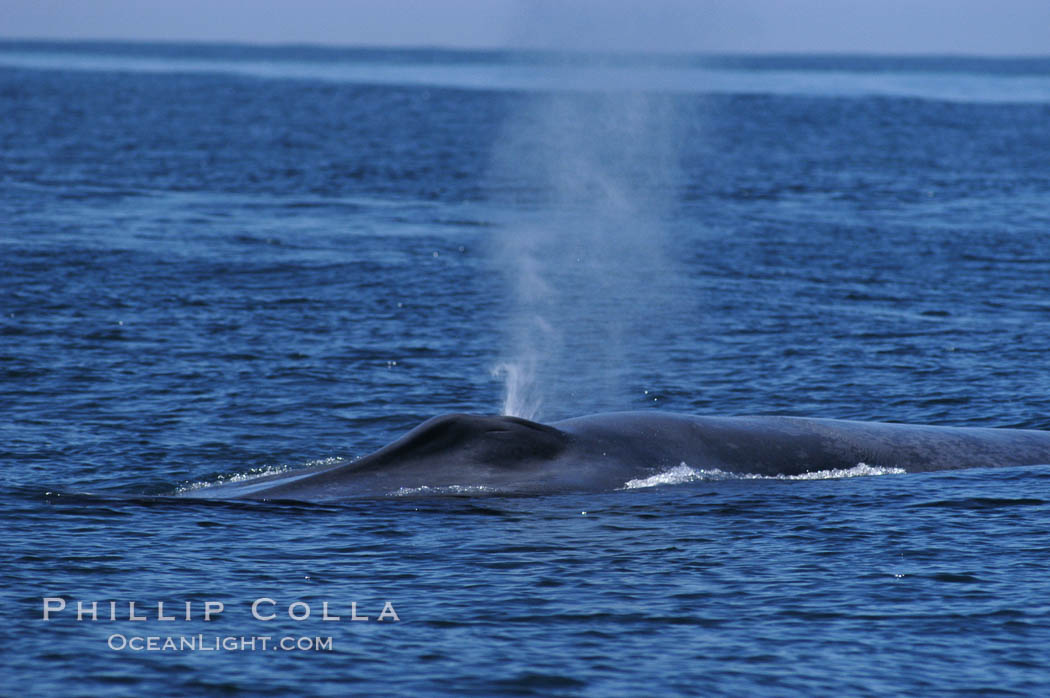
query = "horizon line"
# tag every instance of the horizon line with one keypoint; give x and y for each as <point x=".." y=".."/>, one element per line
<point x="623" y="53"/>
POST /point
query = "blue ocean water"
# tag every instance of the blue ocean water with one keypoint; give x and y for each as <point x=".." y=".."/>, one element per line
<point x="224" y="260"/>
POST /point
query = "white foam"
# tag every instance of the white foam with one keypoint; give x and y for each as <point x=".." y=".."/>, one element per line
<point x="677" y="475"/>
<point x="859" y="470"/>
<point x="682" y="473"/>
<point x="253" y="474"/>
<point x="427" y="491"/>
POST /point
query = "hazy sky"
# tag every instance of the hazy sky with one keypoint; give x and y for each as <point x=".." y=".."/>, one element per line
<point x="883" y="26"/>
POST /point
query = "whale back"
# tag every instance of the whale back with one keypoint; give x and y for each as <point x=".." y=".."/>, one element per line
<point x="448" y="451"/>
<point x="491" y="440"/>
<point x="775" y="445"/>
<point x="499" y="454"/>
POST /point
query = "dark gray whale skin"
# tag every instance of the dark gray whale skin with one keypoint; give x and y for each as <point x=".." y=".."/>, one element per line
<point x="509" y="455"/>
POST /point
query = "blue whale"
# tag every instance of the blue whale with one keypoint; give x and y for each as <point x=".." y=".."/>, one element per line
<point x="508" y="455"/>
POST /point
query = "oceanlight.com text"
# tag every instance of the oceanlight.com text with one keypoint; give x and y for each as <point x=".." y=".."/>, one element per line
<point x="217" y="643"/>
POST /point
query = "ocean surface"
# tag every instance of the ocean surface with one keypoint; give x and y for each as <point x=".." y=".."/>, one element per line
<point x="220" y="261"/>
